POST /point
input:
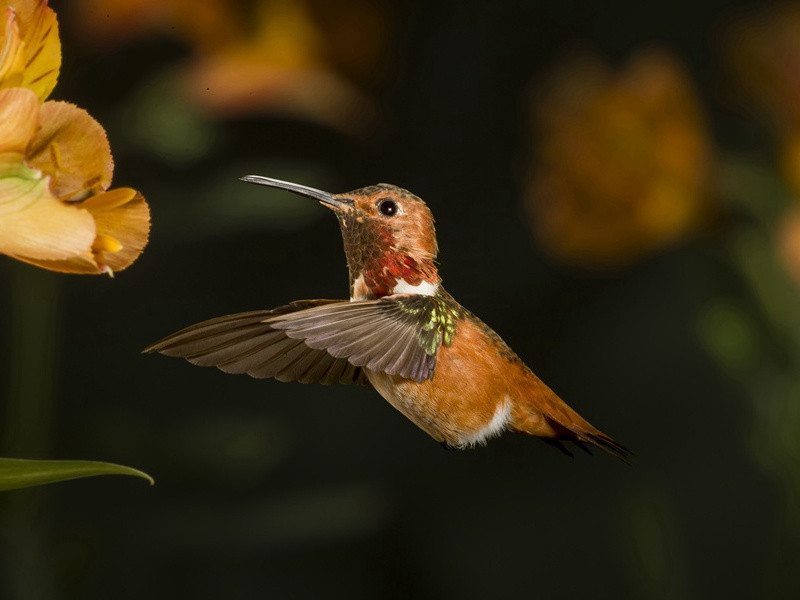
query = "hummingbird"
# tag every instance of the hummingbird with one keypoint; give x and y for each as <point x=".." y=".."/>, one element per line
<point x="400" y="333"/>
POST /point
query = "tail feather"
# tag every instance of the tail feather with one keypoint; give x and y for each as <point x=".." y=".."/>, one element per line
<point x="582" y="433"/>
<point x="543" y="414"/>
<point x="614" y="448"/>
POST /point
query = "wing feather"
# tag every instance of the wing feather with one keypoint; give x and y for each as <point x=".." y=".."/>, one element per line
<point x="325" y="341"/>
<point x="247" y="343"/>
<point x="381" y="335"/>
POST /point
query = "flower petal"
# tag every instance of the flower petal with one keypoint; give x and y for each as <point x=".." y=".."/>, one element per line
<point x="36" y="225"/>
<point x="79" y="264"/>
<point x="12" y="52"/>
<point x="44" y="51"/>
<point x="122" y="218"/>
<point x="123" y="226"/>
<point x="38" y="30"/>
<point x="19" y="119"/>
<point x="73" y="149"/>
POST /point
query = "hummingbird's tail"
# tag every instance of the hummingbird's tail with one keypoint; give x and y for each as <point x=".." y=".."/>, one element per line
<point x="583" y="439"/>
<point x="540" y="412"/>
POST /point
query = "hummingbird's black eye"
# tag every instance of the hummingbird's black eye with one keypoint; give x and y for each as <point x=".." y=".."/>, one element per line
<point x="387" y="207"/>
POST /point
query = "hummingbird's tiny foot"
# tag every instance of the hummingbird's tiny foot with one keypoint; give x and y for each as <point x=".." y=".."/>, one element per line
<point x="448" y="447"/>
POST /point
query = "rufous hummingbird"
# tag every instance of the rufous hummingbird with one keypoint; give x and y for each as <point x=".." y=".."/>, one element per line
<point x="400" y="332"/>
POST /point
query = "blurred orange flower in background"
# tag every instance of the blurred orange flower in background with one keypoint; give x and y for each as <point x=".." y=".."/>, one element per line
<point x="789" y="242"/>
<point x="622" y="160"/>
<point x="762" y="52"/>
<point x="266" y="56"/>
<point x="55" y="162"/>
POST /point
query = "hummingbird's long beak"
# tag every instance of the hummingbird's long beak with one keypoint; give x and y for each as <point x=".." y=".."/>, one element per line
<point x="301" y="190"/>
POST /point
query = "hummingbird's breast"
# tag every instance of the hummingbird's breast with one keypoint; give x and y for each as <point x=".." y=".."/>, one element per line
<point x="470" y="397"/>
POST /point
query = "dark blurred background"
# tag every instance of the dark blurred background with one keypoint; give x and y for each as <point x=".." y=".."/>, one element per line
<point x="614" y="186"/>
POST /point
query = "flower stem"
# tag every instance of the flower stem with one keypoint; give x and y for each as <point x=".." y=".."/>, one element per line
<point x="32" y="336"/>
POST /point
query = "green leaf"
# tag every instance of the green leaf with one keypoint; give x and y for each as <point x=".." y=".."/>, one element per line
<point x="18" y="473"/>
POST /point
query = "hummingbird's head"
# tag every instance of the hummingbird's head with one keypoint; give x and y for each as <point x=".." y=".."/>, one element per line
<point x="389" y="237"/>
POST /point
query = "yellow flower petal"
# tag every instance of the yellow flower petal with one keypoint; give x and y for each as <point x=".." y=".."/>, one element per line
<point x="34" y="224"/>
<point x="123" y="220"/>
<point x="37" y="28"/>
<point x="105" y="243"/>
<point x="73" y="149"/>
<point x="112" y="199"/>
<point x="44" y="52"/>
<point x="19" y="119"/>
<point x="12" y="52"/>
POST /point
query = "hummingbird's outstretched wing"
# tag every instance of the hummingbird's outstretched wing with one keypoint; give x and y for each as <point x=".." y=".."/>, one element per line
<point x="397" y="335"/>
<point x="246" y="343"/>
<point x="322" y="341"/>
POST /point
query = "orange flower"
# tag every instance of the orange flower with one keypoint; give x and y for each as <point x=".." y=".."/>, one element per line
<point x="762" y="52"/>
<point x="55" y="163"/>
<point x="205" y="25"/>
<point x="788" y="242"/>
<point x="621" y="163"/>
<point x="295" y="57"/>
<point x="35" y="225"/>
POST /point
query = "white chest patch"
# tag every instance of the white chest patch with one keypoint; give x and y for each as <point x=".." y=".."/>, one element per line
<point x="496" y="426"/>
<point x="361" y="291"/>
<point x="424" y="289"/>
